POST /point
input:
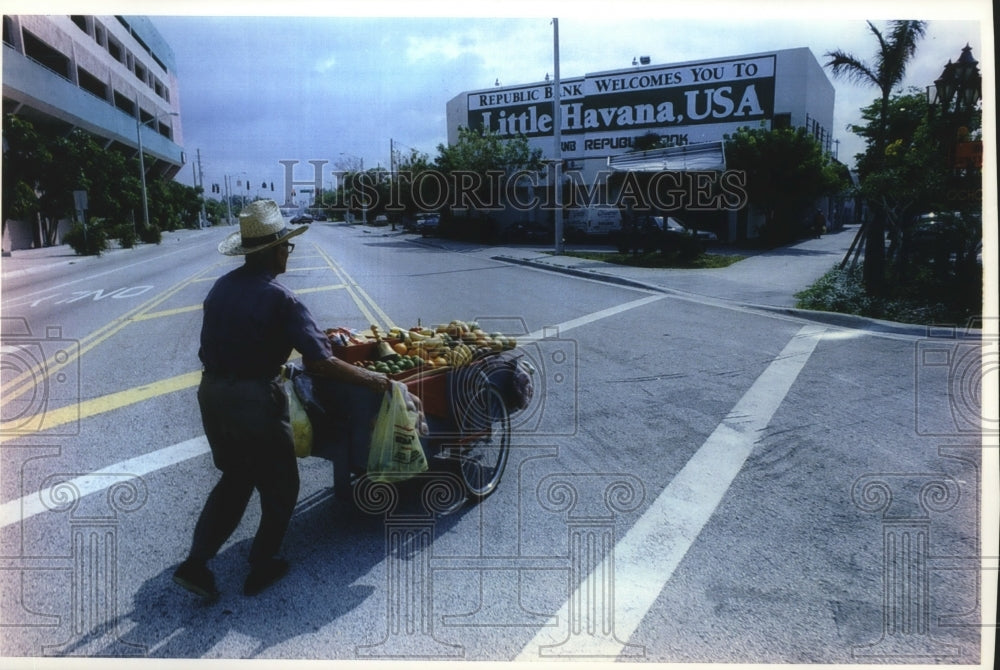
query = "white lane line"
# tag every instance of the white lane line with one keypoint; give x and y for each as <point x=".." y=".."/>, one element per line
<point x="32" y="504"/>
<point x="24" y="508"/>
<point x="593" y="316"/>
<point x="645" y="558"/>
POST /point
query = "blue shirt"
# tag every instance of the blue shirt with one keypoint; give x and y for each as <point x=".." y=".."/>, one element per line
<point x="252" y="323"/>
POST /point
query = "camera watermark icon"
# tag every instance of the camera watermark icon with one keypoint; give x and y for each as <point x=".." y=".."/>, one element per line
<point x="953" y="367"/>
<point x="549" y="364"/>
<point x="40" y="383"/>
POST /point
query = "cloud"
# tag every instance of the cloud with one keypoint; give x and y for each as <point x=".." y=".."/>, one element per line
<point x="325" y="65"/>
<point x="326" y="85"/>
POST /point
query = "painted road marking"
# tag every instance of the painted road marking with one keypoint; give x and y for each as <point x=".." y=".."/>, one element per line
<point x="24" y="508"/>
<point x="645" y="558"/>
<point x="176" y="453"/>
<point x="29" y="379"/>
<point x="53" y="418"/>
<point x="361" y="299"/>
<point x="90" y="277"/>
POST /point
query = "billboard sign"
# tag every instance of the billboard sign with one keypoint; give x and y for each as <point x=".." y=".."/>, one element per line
<point x="602" y="114"/>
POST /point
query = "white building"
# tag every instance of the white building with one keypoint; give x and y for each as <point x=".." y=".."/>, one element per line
<point x="690" y="106"/>
<point x="113" y="76"/>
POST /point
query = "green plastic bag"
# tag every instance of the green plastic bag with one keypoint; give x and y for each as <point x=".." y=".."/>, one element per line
<point x="395" y="452"/>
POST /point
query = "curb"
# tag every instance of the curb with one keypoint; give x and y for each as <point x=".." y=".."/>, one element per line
<point x="850" y="321"/>
<point x="586" y="274"/>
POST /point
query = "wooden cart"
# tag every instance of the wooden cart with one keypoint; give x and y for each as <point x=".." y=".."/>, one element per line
<point x="467" y="409"/>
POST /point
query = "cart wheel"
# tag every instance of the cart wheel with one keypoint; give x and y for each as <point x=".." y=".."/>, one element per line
<point x="481" y="455"/>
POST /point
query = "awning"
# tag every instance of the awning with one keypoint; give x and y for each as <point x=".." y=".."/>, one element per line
<point x="703" y="156"/>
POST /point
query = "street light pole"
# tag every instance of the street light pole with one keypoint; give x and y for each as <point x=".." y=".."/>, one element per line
<point x="142" y="162"/>
<point x="557" y="140"/>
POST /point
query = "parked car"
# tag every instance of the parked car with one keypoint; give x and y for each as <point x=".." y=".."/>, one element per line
<point x="381" y="220"/>
<point x="301" y="219"/>
<point x="529" y="231"/>
<point x="666" y="234"/>
<point x="426" y="224"/>
<point x="674" y="225"/>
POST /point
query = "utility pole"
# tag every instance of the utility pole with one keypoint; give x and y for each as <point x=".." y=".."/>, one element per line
<point x="557" y="138"/>
<point x="201" y="183"/>
<point x="392" y="174"/>
<point x="229" y="202"/>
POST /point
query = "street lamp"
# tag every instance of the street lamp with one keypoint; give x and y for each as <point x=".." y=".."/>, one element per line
<point x="960" y="80"/>
<point x="957" y="91"/>
<point x="142" y="163"/>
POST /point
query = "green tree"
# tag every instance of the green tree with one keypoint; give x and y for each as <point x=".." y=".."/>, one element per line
<point x="25" y="157"/>
<point x="415" y="185"/>
<point x="486" y="151"/>
<point x="895" y="51"/>
<point x="786" y="171"/>
<point x="42" y="169"/>
<point x="907" y="177"/>
<point x="477" y="168"/>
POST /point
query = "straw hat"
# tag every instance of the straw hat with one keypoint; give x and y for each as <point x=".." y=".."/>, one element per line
<point x="261" y="226"/>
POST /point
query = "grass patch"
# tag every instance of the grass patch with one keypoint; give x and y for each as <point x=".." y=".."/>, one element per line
<point x="657" y="259"/>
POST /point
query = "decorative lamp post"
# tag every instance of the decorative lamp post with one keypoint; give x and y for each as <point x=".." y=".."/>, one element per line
<point x="968" y="80"/>
<point x="956" y="93"/>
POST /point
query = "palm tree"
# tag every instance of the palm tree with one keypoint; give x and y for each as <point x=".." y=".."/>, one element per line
<point x="893" y="55"/>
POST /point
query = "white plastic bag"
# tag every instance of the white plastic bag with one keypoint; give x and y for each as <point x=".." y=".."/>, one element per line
<point x="395" y="452"/>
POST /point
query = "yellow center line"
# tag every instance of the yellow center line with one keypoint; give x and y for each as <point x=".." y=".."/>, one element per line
<point x="359" y="296"/>
<point x="167" y="312"/>
<point x="29" y="379"/>
<point x="308" y="268"/>
<point x="197" y="308"/>
<point x="60" y="416"/>
<point x="52" y="418"/>
<point x="317" y="289"/>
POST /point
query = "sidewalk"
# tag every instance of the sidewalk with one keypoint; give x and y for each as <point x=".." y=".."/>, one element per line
<point x="766" y="280"/>
<point x="22" y="262"/>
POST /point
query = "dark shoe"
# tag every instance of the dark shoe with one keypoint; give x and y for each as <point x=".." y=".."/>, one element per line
<point x="264" y="574"/>
<point x="196" y="578"/>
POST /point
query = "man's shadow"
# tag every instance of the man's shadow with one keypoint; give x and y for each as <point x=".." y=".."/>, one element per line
<point x="331" y="545"/>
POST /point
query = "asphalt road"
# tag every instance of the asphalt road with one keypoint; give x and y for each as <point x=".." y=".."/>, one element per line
<point x="695" y="481"/>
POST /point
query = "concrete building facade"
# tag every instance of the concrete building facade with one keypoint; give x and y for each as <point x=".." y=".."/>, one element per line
<point x="112" y="76"/>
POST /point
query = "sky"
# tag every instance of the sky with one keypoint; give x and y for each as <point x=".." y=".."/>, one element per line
<point x="259" y="85"/>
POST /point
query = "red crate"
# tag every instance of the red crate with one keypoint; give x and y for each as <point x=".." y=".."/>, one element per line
<point x="356" y="352"/>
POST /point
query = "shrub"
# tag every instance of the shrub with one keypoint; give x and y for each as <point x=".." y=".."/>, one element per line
<point x="91" y="240"/>
<point x="839" y="290"/>
<point x="842" y="290"/>
<point x="151" y="234"/>
<point x="125" y="234"/>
